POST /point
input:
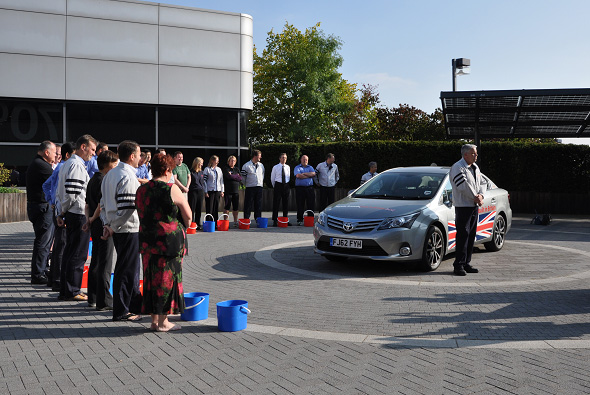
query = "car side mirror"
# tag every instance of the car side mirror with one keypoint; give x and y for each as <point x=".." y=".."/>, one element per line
<point x="448" y="198"/>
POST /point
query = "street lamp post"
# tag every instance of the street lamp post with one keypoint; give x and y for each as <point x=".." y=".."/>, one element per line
<point x="460" y="67"/>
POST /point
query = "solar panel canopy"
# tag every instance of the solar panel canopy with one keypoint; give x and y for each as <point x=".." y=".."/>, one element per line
<point x="540" y="113"/>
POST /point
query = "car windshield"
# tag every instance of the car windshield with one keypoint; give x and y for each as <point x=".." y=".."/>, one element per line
<point x="401" y="185"/>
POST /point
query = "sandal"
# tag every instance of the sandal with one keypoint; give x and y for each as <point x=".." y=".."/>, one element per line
<point x="78" y="298"/>
<point x="128" y="317"/>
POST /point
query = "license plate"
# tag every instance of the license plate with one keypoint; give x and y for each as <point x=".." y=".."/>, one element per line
<point x="346" y="243"/>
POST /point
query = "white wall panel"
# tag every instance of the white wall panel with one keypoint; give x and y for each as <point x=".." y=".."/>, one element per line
<point x="112" y="40"/>
<point x="111" y="81"/>
<point x="199" y="48"/>
<point x="32" y="76"/>
<point x="247" y="53"/>
<point x="53" y="6"/>
<point x="247" y="27"/>
<point x="32" y="33"/>
<point x="199" y="19"/>
<point x="199" y="87"/>
<point x="247" y="91"/>
<point x="115" y="10"/>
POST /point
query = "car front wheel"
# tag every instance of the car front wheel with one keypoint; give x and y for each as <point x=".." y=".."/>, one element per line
<point x="498" y="236"/>
<point x="434" y="249"/>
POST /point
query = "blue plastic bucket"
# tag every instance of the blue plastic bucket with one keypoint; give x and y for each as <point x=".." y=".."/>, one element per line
<point x="262" y="222"/>
<point x="209" y="226"/>
<point x="112" y="279"/>
<point x="232" y="315"/>
<point x="196" y="306"/>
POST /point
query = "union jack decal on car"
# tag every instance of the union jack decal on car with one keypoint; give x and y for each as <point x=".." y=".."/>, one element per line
<point x="485" y="228"/>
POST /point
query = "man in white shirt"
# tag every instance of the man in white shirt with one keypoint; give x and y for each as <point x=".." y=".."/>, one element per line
<point x="279" y="178"/>
<point x="71" y="194"/>
<point x="121" y="222"/>
<point x="327" y="177"/>
<point x="372" y="172"/>
<point x="253" y="178"/>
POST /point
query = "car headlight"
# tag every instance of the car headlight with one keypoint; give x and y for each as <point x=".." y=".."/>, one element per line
<point x="322" y="218"/>
<point x="403" y="221"/>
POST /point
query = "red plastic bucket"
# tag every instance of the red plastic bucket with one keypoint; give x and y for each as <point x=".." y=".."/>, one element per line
<point x="192" y="229"/>
<point x="85" y="277"/>
<point x="244" y="223"/>
<point x="223" y="224"/>
<point x="283" y="222"/>
<point x="309" y="219"/>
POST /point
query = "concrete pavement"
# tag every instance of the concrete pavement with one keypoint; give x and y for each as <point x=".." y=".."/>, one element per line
<point x="519" y="326"/>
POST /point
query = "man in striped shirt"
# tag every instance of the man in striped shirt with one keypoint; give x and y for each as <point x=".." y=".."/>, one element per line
<point x="119" y="217"/>
<point x="71" y="194"/>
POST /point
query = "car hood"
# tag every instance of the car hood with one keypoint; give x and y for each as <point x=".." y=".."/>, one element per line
<point x="356" y="208"/>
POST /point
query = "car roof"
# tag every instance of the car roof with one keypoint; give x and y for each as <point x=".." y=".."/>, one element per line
<point x="420" y="169"/>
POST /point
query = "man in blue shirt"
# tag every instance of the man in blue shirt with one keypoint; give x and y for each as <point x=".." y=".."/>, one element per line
<point x="304" y="174"/>
<point x="91" y="165"/>
<point x="59" y="232"/>
<point x="142" y="172"/>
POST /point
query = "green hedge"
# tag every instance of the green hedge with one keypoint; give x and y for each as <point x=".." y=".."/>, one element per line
<point x="514" y="166"/>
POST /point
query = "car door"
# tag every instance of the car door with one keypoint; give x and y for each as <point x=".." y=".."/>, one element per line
<point x="487" y="212"/>
<point x="446" y="213"/>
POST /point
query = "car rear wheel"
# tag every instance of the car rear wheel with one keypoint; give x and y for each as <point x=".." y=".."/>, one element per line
<point x="335" y="258"/>
<point x="498" y="235"/>
<point x="434" y="249"/>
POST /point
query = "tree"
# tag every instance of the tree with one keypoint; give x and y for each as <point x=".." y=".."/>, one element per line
<point x="299" y="95"/>
<point x="361" y="121"/>
<point x="408" y="123"/>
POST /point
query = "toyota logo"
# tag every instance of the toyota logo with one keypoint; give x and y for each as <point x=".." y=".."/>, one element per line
<point x="348" y="226"/>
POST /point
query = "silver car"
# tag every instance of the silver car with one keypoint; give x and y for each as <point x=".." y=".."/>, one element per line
<point x="406" y="214"/>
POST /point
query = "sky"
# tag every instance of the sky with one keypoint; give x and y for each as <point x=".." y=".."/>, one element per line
<point x="405" y="47"/>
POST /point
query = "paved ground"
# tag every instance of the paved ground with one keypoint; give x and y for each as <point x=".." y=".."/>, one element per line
<point x="520" y="326"/>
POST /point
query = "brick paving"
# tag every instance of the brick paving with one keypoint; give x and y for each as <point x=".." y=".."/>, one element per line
<point x="521" y="326"/>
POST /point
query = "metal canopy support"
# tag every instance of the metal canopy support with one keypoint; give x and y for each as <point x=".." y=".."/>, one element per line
<point x="547" y="113"/>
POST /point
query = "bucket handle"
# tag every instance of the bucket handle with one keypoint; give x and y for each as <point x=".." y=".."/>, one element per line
<point x="195" y="305"/>
<point x="205" y="218"/>
<point x="245" y="308"/>
<point x="307" y="211"/>
<point x="221" y="216"/>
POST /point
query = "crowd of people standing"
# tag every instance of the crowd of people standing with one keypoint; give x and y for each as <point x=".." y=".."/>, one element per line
<point x="140" y="207"/>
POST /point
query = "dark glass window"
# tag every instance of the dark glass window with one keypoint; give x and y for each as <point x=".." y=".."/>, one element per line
<point x="30" y="122"/>
<point x="196" y="126"/>
<point x="112" y="123"/>
<point x="244" y="128"/>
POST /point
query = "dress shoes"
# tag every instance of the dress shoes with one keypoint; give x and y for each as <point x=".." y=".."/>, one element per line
<point x="41" y="280"/>
<point x="470" y="269"/>
<point x="459" y="271"/>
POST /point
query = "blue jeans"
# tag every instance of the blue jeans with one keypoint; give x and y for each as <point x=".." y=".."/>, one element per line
<point x="41" y="217"/>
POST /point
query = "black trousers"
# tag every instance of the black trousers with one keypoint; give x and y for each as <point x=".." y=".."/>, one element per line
<point x="212" y="204"/>
<point x="75" y="255"/>
<point x="326" y="196"/>
<point x="196" y="198"/>
<point x="280" y="194"/>
<point x="253" y="197"/>
<point x="101" y="265"/>
<point x="466" y="223"/>
<point x="41" y="216"/>
<point x="304" y="195"/>
<point x="59" y="245"/>
<point x="126" y="295"/>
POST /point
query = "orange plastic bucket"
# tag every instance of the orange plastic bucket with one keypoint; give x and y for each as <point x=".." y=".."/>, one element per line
<point x="141" y="286"/>
<point x="244" y="223"/>
<point x="309" y="220"/>
<point x="192" y="229"/>
<point x="223" y="224"/>
<point x="283" y="222"/>
<point x="85" y="277"/>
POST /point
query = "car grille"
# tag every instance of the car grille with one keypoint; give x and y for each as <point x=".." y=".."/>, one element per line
<point x="370" y="248"/>
<point x="359" y="225"/>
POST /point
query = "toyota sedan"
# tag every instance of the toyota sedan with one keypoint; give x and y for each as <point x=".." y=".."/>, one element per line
<point x="407" y="214"/>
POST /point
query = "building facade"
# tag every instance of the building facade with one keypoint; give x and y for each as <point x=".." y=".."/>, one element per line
<point x="166" y="76"/>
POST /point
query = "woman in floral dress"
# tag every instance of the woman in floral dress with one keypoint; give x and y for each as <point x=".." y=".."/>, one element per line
<point x="162" y="243"/>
